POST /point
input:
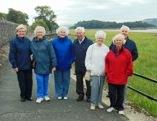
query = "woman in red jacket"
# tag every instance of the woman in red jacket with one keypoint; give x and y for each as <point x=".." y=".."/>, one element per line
<point x="118" y="66"/>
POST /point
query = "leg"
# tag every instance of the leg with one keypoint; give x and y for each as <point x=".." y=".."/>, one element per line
<point x="112" y="95"/>
<point x="22" y="85"/>
<point x="58" y="83"/>
<point x="94" y="89"/>
<point x="40" y="89"/>
<point x="120" y="97"/>
<point x="29" y="83"/>
<point x="79" y="84"/>
<point x="46" y="84"/>
<point x="88" y="92"/>
<point x="101" y="87"/>
<point x="66" y="82"/>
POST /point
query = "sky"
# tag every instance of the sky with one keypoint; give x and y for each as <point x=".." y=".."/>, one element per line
<point x="71" y="11"/>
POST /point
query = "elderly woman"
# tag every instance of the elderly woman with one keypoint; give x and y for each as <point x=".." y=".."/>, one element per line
<point x="129" y="44"/>
<point x="20" y="59"/>
<point x="94" y="63"/>
<point x="118" y="68"/>
<point x="45" y="62"/>
<point x="64" y="53"/>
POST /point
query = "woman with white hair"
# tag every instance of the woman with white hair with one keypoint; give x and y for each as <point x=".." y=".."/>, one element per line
<point x="63" y="48"/>
<point x="94" y="63"/>
<point x="129" y="44"/>
<point x="20" y="59"/>
<point x="44" y="62"/>
<point x="118" y="67"/>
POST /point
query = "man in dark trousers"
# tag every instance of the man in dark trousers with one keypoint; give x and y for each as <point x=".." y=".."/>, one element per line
<point x="81" y="45"/>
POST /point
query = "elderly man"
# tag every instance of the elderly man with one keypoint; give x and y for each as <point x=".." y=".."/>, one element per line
<point x="81" y="45"/>
<point x="130" y="44"/>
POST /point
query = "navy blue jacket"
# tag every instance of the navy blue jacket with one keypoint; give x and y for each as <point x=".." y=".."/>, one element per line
<point x="63" y="48"/>
<point x="131" y="46"/>
<point x="80" y="54"/>
<point x="20" y="53"/>
<point x="43" y="55"/>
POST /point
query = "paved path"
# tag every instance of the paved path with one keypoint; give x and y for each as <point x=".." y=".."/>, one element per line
<point x="11" y="109"/>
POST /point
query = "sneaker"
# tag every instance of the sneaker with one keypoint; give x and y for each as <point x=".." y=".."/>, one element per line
<point x="46" y="98"/>
<point x="92" y="106"/>
<point x="39" y="100"/>
<point x="110" y="109"/>
<point x="121" y="112"/>
<point x="65" y="98"/>
<point x="59" y="98"/>
<point x="100" y="106"/>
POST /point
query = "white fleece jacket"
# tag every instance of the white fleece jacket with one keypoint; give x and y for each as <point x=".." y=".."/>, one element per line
<point x="95" y="59"/>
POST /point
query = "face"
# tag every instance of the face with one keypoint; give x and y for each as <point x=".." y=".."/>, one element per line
<point x="21" y="32"/>
<point x="39" y="34"/>
<point x="80" y="35"/>
<point x="119" y="43"/>
<point x="62" y="34"/>
<point x="100" y="40"/>
<point x="125" y="32"/>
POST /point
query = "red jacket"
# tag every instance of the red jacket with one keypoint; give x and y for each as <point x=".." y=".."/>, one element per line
<point x="118" y="67"/>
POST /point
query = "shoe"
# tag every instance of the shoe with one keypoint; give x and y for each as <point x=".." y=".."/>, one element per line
<point x="65" y="98"/>
<point x="46" y="98"/>
<point x="100" y="106"/>
<point x="121" y="112"/>
<point x="88" y="100"/>
<point x="80" y="98"/>
<point x="29" y="99"/>
<point x="39" y="100"/>
<point x="110" y="109"/>
<point x="92" y="106"/>
<point x="59" y="98"/>
<point x="22" y="99"/>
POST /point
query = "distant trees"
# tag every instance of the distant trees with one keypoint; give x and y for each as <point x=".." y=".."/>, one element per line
<point x="93" y="24"/>
<point x="46" y="18"/>
<point x="2" y="16"/>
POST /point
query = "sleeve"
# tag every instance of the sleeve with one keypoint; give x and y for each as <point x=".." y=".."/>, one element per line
<point x="106" y="65"/>
<point x="129" y="65"/>
<point x="52" y="55"/>
<point x="88" y="58"/>
<point x="135" y="53"/>
<point x="72" y="53"/>
<point x="12" y="54"/>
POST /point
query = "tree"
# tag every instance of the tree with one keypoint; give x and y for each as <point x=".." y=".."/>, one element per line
<point x="17" y="16"/>
<point x="3" y="16"/>
<point x="47" y="15"/>
<point x="39" y="22"/>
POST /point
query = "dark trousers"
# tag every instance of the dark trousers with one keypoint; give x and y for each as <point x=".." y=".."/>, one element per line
<point x="80" y="86"/>
<point x="116" y="95"/>
<point x="25" y="83"/>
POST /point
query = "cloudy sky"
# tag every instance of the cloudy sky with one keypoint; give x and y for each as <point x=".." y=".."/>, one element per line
<point x="71" y="11"/>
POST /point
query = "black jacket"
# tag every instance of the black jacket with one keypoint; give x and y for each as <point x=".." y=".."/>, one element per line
<point x="80" y="54"/>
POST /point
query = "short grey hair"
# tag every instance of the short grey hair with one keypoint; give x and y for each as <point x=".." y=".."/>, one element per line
<point x="21" y="26"/>
<point x="100" y="33"/>
<point x="119" y="36"/>
<point x="82" y="29"/>
<point x="124" y="27"/>
<point x="39" y="29"/>
<point x="62" y="28"/>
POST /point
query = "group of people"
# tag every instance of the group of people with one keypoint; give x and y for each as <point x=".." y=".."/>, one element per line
<point x="94" y="63"/>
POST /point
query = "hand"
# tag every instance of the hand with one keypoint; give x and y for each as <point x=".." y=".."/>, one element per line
<point x="16" y="69"/>
<point x="53" y="69"/>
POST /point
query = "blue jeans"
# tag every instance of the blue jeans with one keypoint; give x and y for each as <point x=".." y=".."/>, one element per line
<point x="97" y="83"/>
<point x="62" y="81"/>
<point x="42" y="85"/>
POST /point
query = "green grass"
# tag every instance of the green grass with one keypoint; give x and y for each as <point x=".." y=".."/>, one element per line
<point x="145" y="65"/>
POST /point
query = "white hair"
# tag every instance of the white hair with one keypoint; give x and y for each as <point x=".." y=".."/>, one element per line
<point x="62" y="28"/>
<point x="123" y="27"/>
<point x="39" y="29"/>
<point x="119" y="37"/>
<point x="101" y="34"/>
<point x="82" y="29"/>
<point x="21" y="26"/>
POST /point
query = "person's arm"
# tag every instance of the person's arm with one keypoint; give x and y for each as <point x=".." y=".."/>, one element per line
<point x="129" y="65"/>
<point x="135" y="52"/>
<point x="88" y="58"/>
<point x="12" y="54"/>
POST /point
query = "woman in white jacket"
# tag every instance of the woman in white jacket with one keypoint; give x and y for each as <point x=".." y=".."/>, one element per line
<point x="94" y="63"/>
